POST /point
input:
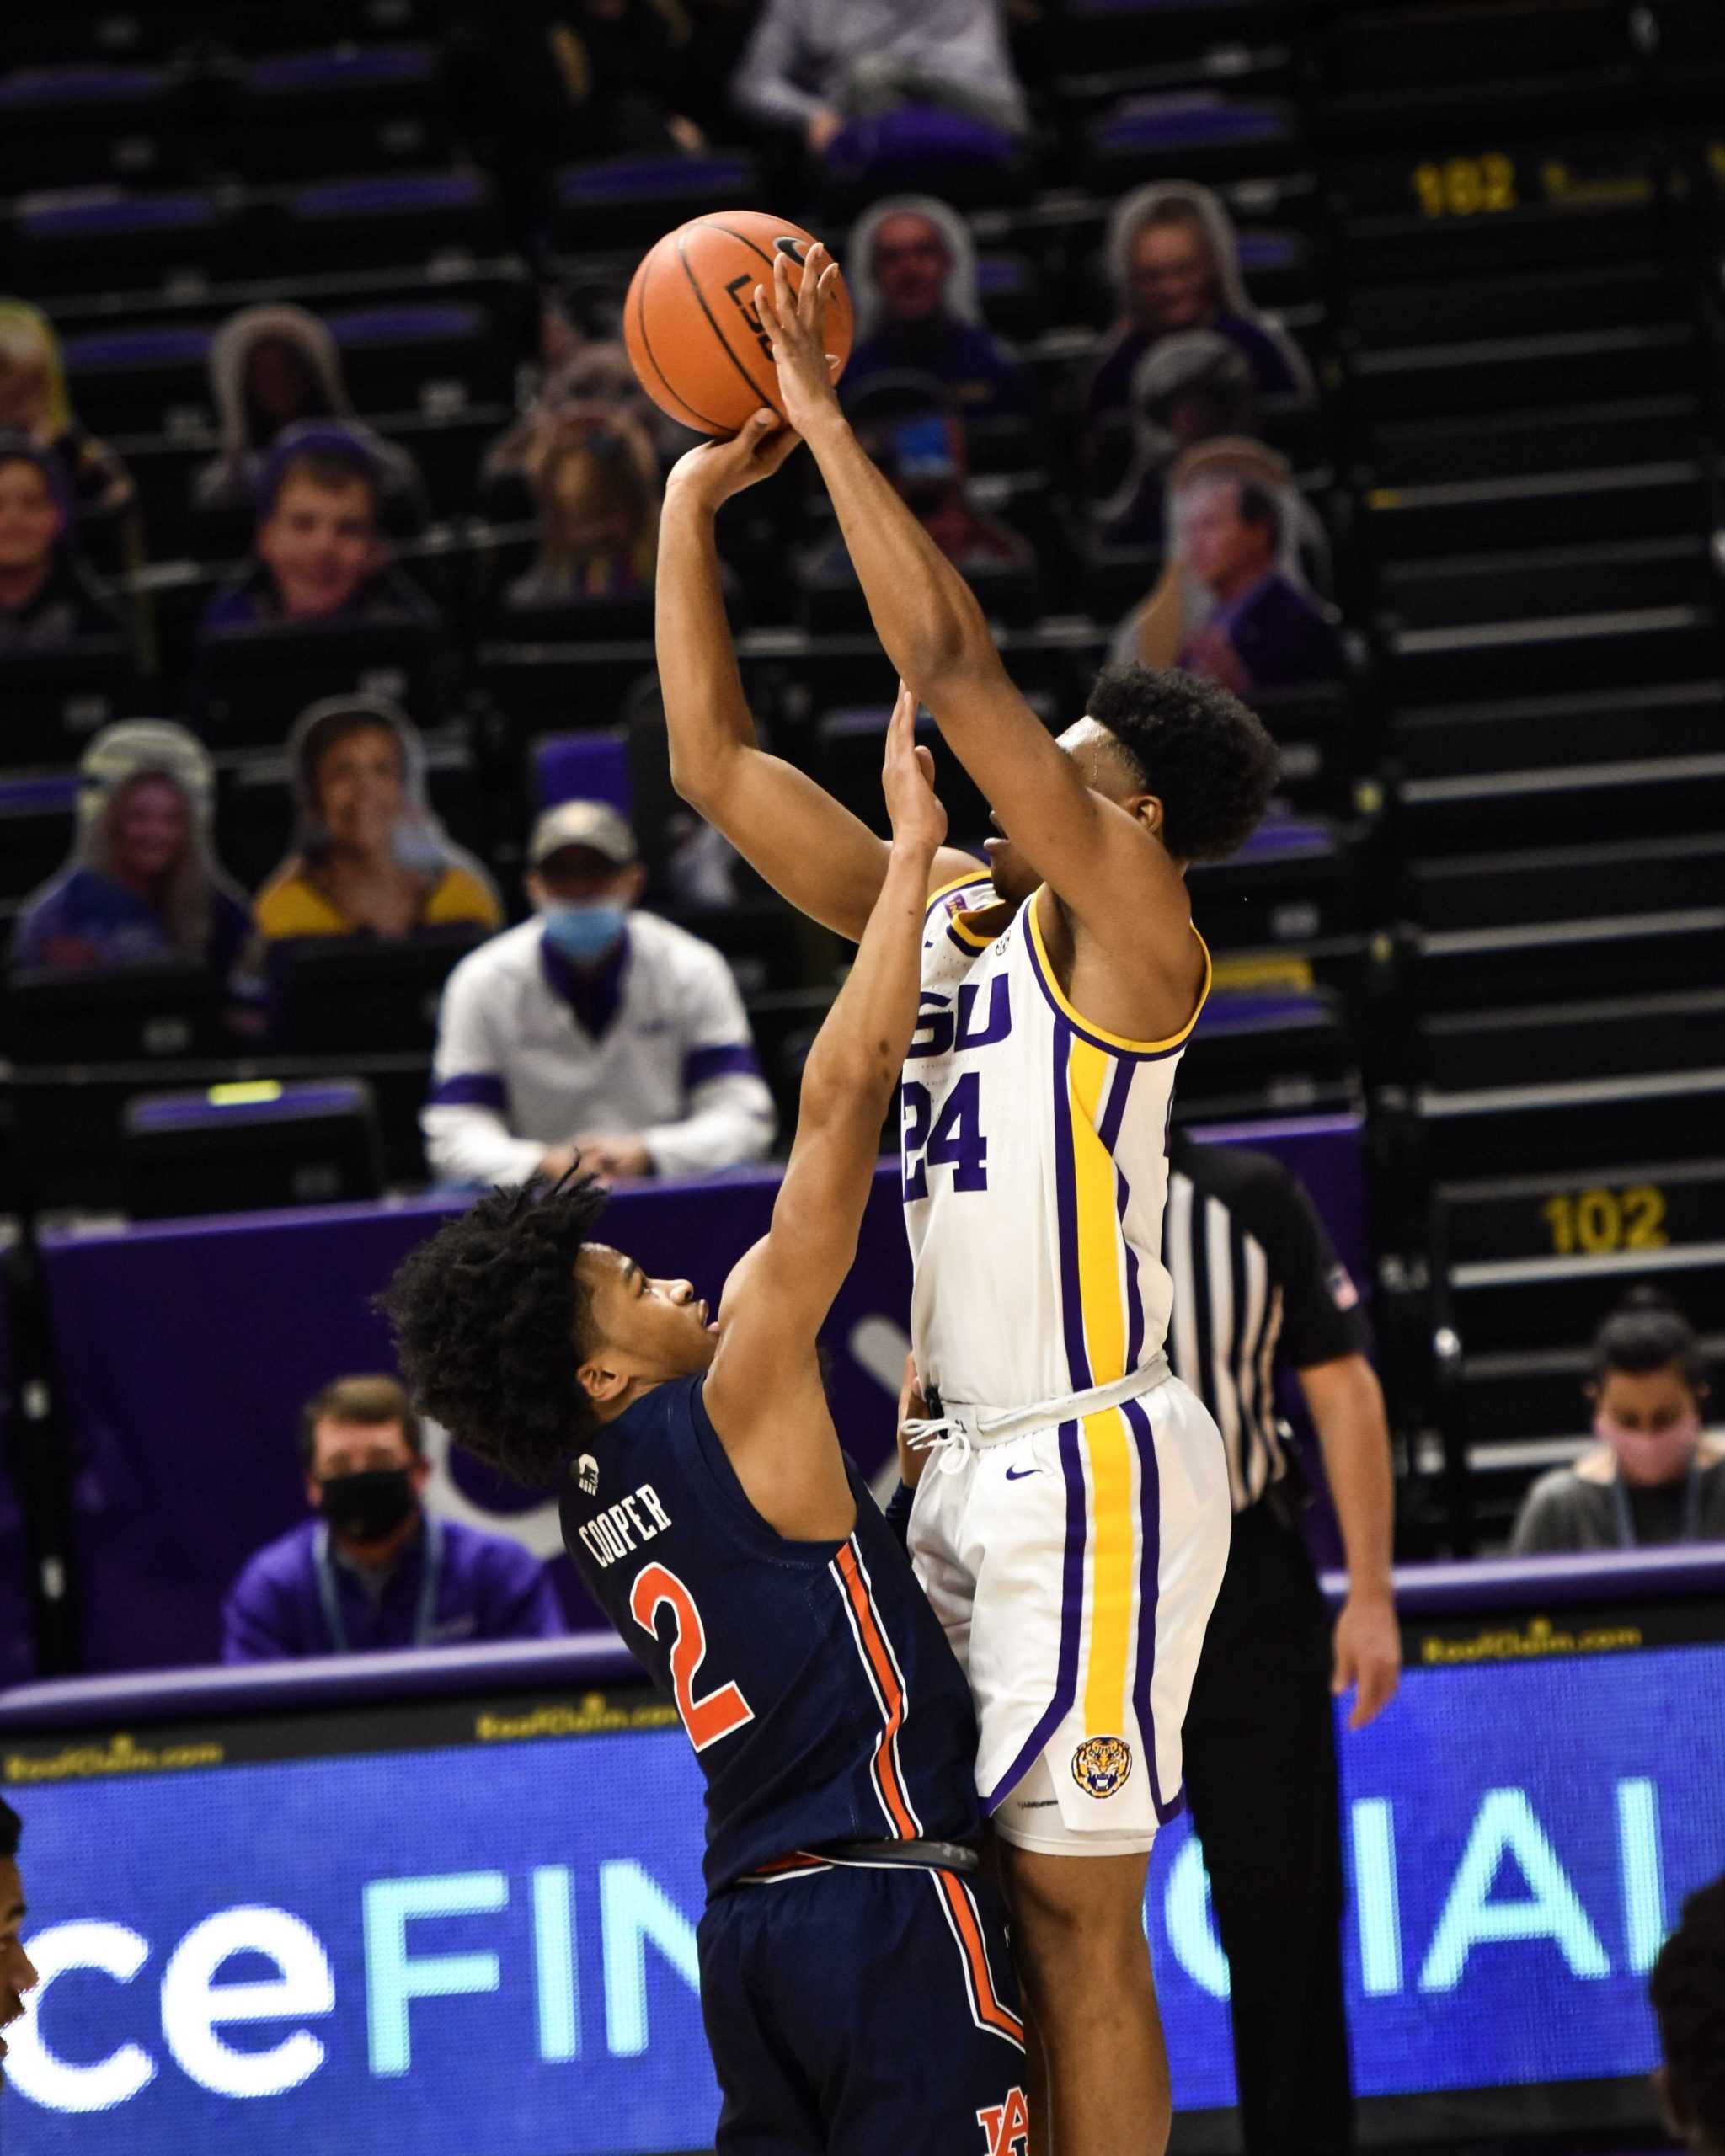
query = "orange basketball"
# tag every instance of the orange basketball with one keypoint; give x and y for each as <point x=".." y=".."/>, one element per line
<point x="689" y="322"/>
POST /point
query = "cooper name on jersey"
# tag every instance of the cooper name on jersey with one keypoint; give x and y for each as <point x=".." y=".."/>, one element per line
<point x="616" y="1532"/>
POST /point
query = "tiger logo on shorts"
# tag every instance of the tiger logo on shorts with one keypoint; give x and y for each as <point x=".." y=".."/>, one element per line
<point x="1102" y="1764"/>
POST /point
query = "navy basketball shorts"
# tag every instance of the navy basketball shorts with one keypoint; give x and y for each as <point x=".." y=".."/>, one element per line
<point x="855" y="2010"/>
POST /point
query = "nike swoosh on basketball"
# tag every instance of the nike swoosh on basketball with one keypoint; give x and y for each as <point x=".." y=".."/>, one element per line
<point x="1017" y="1474"/>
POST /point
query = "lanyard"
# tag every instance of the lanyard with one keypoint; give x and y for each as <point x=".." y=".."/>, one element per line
<point x="428" y="1586"/>
<point x="1690" y="1529"/>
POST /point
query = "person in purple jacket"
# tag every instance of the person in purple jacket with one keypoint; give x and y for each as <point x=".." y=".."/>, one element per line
<point x="374" y="1569"/>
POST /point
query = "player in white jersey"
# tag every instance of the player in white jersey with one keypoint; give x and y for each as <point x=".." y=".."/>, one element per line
<point x="1073" y="1523"/>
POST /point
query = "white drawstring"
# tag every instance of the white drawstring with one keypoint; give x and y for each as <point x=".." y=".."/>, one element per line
<point x="942" y="1435"/>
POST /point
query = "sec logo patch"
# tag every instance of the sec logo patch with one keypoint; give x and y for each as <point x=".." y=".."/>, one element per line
<point x="1102" y="1764"/>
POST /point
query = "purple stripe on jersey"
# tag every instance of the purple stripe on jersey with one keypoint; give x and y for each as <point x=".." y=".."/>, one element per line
<point x="1067" y="1211"/>
<point x="1071" y="1625"/>
<point x="1108" y="1130"/>
<point x="1150" y="1509"/>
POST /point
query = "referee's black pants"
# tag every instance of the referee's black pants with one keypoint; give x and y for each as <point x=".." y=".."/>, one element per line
<point x="1261" y="1780"/>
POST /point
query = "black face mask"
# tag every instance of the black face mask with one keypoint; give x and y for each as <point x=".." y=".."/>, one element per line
<point x="366" y="1506"/>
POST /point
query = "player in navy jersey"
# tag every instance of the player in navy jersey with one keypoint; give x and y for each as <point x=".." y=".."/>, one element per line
<point x="856" y="1982"/>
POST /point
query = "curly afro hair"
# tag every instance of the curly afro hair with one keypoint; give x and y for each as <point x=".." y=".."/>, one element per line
<point x="1687" y="1987"/>
<point x="490" y="1325"/>
<point x="1206" y="758"/>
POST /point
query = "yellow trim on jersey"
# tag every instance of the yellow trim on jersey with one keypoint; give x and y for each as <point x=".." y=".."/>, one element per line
<point x="1101" y="1032"/>
<point x="1114" y="1573"/>
<point x="1114" y="1541"/>
<point x="958" y="883"/>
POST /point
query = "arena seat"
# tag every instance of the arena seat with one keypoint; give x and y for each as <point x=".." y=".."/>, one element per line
<point x="1288" y="886"/>
<point x="1191" y="134"/>
<point x="142" y="382"/>
<point x="1108" y="34"/>
<point x="54" y="700"/>
<point x="844" y="755"/>
<point x="70" y="1115"/>
<point x="100" y="237"/>
<point x="1387" y="70"/>
<point x="1578" y="1025"/>
<point x="69" y="125"/>
<point x="347" y="108"/>
<point x="1269" y="1052"/>
<point x="38" y="813"/>
<point x="250" y="684"/>
<point x="593" y="767"/>
<point x="539" y="688"/>
<point x="438" y="356"/>
<point x="388" y="219"/>
<point x="617" y="201"/>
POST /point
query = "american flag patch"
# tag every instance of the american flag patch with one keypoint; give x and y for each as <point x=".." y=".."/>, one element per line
<point x="1342" y="1292"/>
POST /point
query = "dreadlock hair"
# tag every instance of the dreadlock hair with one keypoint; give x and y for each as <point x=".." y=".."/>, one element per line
<point x="490" y="1326"/>
<point x="1687" y="1987"/>
<point x="1196" y="748"/>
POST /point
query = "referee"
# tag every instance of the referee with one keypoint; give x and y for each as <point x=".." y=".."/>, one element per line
<point x="1257" y="1287"/>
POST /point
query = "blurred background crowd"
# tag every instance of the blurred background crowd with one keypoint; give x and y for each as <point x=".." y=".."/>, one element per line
<point x="1271" y="341"/>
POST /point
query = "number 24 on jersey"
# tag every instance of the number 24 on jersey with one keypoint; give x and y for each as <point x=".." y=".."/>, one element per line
<point x="949" y="1136"/>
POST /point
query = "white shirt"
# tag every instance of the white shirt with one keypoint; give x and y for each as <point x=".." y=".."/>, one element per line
<point x="517" y="1071"/>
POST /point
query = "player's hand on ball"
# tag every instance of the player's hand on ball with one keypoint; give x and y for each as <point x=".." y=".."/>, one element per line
<point x="716" y="470"/>
<point x="796" y="321"/>
<point x="908" y="780"/>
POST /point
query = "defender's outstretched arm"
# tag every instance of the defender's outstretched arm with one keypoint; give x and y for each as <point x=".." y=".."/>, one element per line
<point x="777" y="1299"/>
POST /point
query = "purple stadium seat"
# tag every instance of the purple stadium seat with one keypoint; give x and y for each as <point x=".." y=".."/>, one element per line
<point x="618" y="199"/>
<point x="1193" y="134"/>
<point x="582" y="767"/>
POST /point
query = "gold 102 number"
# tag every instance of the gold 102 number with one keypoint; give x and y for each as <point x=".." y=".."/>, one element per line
<point x="1595" y="1221"/>
<point x="1466" y="187"/>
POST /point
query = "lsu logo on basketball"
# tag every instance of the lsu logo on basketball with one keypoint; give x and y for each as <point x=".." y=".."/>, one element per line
<point x="1007" y="2126"/>
<point x="740" y="292"/>
<point x="1102" y="1764"/>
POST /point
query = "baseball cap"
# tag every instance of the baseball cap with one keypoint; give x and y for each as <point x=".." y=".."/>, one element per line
<point x="589" y="824"/>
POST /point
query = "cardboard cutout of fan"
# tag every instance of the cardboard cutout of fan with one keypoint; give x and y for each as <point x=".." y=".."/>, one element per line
<point x="690" y="323"/>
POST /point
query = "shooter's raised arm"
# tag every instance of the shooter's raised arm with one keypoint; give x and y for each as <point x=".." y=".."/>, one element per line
<point x="812" y="850"/>
<point x="1093" y="852"/>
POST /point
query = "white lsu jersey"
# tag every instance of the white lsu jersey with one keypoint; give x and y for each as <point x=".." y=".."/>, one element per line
<point x="1034" y="1149"/>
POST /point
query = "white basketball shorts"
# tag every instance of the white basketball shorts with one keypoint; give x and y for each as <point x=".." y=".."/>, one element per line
<point x="1074" y="1569"/>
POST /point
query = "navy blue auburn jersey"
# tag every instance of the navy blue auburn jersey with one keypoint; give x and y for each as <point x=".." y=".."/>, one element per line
<point x="814" y="1680"/>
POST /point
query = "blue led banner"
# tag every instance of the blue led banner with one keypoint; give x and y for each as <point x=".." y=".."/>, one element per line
<point x="487" y="1942"/>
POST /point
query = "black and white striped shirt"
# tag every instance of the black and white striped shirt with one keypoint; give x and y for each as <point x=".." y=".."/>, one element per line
<point x="1256" y="1278"/>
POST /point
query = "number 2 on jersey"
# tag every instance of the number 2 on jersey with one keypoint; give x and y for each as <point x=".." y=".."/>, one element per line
<point x="952" y="1140"/>
<point x="720" y="1712"/>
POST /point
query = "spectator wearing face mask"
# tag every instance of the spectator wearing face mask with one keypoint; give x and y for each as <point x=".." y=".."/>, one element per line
<point x="1655" y="1476"/>
<point x="319" y="552"/>
<point x="48" y="600"/>
<point x="373" y="1569"/>
<point x="143" y="886"/>
<point x="369" y="858"/>
<point x="915" y="284"/>
<point x="594" y="1030"/>
<point x="272" y="368"/>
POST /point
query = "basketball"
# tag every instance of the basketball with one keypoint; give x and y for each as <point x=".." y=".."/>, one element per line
<point x="690" y="323"/>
